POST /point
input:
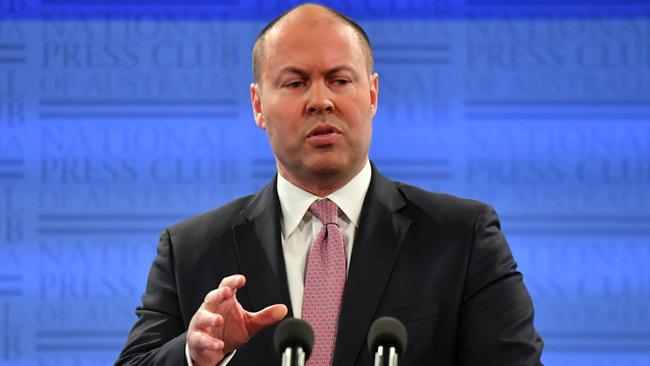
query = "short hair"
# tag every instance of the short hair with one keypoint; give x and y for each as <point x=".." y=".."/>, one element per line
<point x="362" y="37"/>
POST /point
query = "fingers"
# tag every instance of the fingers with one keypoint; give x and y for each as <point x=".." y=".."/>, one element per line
<point x="205" y="319"/>
<point x="234" y="282"/>
<point x="265" y="317"/>
<point x="199" y="340"/>
<point x="203" y="345"/>
<point x="221" y="324"/>
<point x="227" y="288"/>
<point x="216" y="297"/>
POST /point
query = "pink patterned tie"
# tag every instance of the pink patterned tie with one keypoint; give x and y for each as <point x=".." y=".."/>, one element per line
<point x="324" y="282"/>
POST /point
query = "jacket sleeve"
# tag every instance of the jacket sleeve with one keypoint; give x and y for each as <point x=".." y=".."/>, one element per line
<point x="158" y="336"/>
<point x="496" y="316"/>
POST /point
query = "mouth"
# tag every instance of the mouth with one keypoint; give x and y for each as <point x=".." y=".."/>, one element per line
<point x="323" y="130"/>
<point x="323" y="135"/>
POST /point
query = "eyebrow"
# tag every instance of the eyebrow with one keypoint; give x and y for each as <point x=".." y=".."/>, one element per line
<point x="292" y="70"/>
<point x="336" y="69"/>
<point x="303" y="73"/>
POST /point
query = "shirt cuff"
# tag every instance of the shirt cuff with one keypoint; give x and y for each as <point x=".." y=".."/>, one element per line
<point x="187" y="355"/>
<point x="223" y="362"/>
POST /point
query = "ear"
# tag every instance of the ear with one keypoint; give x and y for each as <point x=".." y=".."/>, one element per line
<point x="256" y="102"/>
<point x="374" y="92"/>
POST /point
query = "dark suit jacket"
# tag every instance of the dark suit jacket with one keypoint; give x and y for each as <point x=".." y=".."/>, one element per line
<point x="438" y="263"/>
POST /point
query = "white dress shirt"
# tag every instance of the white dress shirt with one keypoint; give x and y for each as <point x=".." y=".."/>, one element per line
<point x="300" y="228"/>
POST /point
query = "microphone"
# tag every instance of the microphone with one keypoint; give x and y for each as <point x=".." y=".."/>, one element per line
<point x="294" y="339"/>
<point x="387" y="334"/>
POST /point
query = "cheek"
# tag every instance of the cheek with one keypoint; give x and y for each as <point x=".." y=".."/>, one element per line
<point x="359" y="115"/>
<point x="280" y="130"/>
<point x="283" y="115"/>
<point x="360" y="120"/>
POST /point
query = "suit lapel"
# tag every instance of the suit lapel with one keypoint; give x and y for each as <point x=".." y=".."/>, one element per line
<point x="376" y="246"/>
<point x="259" y="251"/>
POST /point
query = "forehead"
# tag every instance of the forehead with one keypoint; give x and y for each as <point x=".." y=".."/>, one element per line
<point x="312" y="42"/>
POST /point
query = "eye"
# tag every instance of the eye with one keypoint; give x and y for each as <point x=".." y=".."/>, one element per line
<point x="341" y="82"/>
<point x="294" y="84"/>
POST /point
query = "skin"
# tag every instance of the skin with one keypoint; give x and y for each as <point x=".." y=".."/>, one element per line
<point x="314" y="79"/>
<point x="314" y="75"/>
<point x="222" y="325"/>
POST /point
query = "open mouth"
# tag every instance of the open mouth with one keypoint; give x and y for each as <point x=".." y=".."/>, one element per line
<point x="323" y="135"/>
<point x="323" y="131"/>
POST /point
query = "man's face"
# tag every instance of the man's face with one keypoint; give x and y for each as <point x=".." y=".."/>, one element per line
<point x="315" y="100"/>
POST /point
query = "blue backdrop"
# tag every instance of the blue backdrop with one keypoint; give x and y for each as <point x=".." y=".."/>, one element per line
<point x="118" y="118"/>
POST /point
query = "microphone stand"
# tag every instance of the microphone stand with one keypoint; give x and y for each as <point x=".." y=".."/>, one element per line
<point x="288" y="358"/>
<point x="392" y="356"/>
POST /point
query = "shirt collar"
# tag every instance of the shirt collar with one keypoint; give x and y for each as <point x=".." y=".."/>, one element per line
<point x="295" y="202"/>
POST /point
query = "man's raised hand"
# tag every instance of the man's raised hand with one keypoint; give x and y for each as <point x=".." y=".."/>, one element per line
<point x="221" y="324"/>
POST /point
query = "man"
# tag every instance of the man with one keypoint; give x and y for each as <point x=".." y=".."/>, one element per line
<point x="330" y="239"/>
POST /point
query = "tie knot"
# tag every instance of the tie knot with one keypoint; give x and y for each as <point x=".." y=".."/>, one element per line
<point x="326" y="211"/>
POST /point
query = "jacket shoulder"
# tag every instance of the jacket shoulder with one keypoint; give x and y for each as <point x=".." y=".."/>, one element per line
<point x="210" y="224"/>
<point x="442" y="208"/>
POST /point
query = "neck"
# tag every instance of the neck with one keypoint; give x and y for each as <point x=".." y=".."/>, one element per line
<point x="320" y="185"/>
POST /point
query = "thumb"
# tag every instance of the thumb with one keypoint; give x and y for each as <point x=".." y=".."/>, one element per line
<point x="265" y="317"/>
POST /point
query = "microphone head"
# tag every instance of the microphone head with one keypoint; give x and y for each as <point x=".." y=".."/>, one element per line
<point x="388" y="332"/>
<point x="293" y="332"/>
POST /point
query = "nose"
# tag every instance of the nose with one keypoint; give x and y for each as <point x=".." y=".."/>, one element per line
<point x="319" y="99"/>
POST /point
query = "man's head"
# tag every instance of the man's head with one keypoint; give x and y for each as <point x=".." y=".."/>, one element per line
<point x="315" y="95"/>
<point x="362" y="37"/>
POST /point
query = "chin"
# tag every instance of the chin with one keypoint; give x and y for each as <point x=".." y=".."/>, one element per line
<point x="326" y="170"/>
<point x="328" y="167"/>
